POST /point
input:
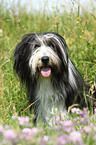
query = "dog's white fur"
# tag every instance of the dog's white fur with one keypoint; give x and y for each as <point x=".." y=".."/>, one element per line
<point x="49" y="99"/>
<point x="36" y="56"/>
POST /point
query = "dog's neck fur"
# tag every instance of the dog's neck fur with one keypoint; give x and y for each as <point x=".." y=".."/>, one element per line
<point x="49" y="98"/>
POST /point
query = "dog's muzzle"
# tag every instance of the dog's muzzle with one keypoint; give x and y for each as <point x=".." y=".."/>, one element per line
<point x="45" y="69"/>
<point x="44" y="59"/>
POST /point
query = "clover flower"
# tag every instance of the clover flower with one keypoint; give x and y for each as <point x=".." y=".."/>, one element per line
<point x="34" y="131"/>
<point x="87" y="129"/>
<point x="66" y="126"/>
<point x="24" y="121"/>
<point x="14" y="117"/>
<point x="67" y="123"/>
<point x="63" y="139"/>
<point x="27" y="132"/>
<point x="44" y="140"/>
<point x="76" y="119"/>
<point x="9" y="134"/>
<point x="83" y="120"/>
<point x="6" y="127"/>
<point x="75" y="110"/>
<point x="76" y="137"/>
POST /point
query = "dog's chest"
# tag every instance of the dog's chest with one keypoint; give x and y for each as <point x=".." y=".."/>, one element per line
<point x="50" y="99"/>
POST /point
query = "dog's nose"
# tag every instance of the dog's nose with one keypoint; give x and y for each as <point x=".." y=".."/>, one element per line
<point x="45" y="59"/>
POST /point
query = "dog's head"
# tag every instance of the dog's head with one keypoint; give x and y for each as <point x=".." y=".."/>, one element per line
<point x="41" y="54"/>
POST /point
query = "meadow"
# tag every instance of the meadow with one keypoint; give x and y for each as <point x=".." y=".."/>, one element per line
<point x="79" y="32"/>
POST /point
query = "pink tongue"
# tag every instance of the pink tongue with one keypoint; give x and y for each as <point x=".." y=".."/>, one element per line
<point x="46" y="72"/>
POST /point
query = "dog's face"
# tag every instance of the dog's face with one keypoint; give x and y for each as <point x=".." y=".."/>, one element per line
<point x="41" y="54"/>
<point x="43" y="59"/>
<point x="45" y="55"/>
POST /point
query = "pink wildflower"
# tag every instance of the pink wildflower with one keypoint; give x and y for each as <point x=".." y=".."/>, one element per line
<point x="75" y="110"/>
<point x="10" y="134"/>
<point x="76" y="138"/>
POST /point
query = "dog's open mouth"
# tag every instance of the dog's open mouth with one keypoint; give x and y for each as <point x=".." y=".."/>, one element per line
<point x="45" y="71"/>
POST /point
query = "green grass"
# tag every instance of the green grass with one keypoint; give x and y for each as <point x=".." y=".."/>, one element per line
<point x="80" y="35"/>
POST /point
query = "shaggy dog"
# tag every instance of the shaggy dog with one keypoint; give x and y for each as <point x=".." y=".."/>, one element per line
<point x="42" y="62"/>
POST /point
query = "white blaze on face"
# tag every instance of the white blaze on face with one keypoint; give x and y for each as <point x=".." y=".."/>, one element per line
<point x="35" y="60"/>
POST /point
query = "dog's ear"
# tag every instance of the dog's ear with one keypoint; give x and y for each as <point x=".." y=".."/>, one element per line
<point x="22" y="54"/>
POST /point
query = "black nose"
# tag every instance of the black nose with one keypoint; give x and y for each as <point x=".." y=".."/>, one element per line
<point x="45" y="59"/>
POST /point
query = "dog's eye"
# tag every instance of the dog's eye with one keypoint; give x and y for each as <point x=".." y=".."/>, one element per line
<point x="52" y="45"/>
<point x="36" y="46"/>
